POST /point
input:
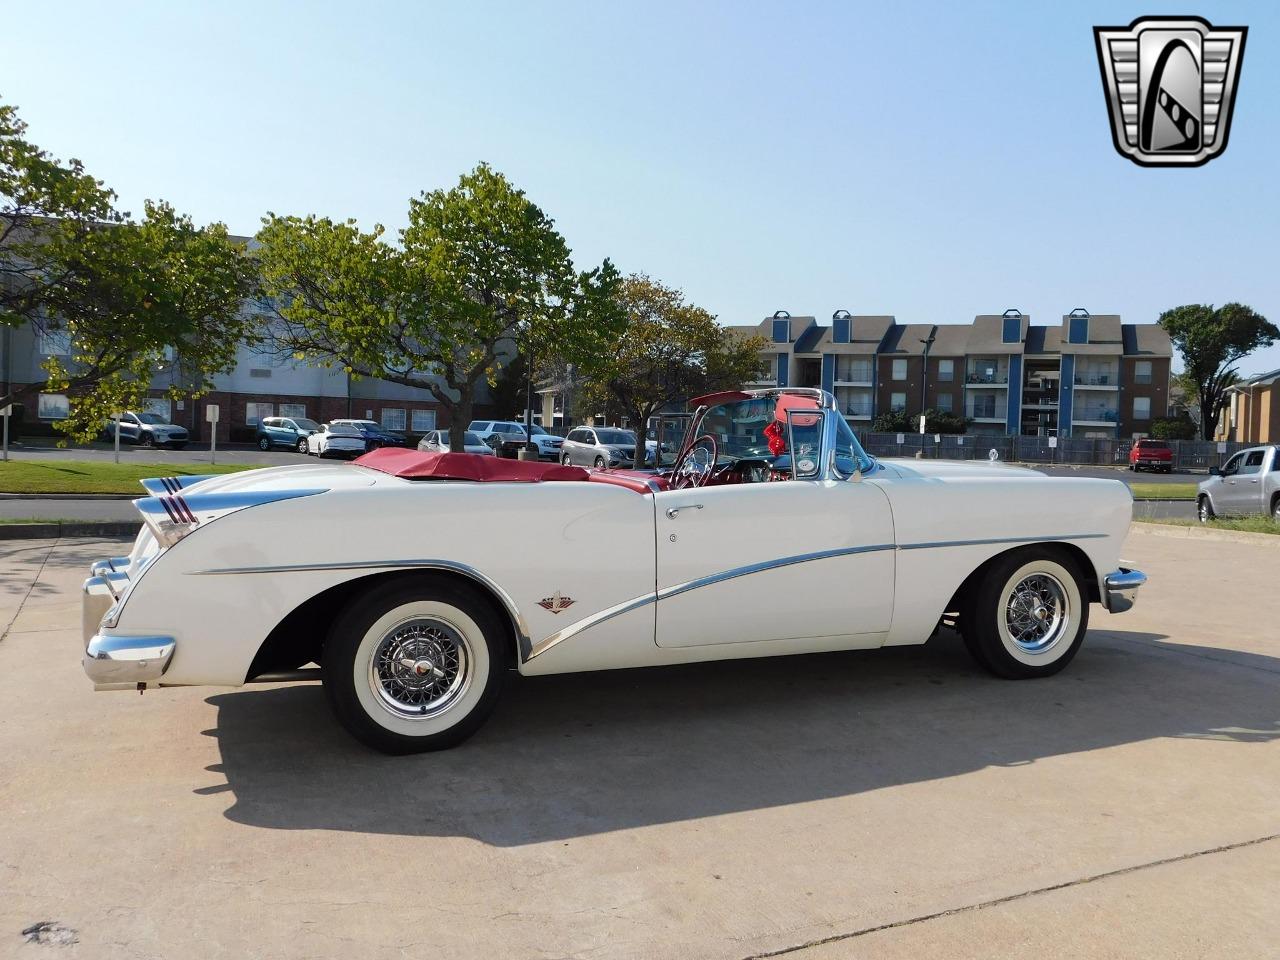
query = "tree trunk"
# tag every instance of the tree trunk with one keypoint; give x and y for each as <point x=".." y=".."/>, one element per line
<point x="460" y="418"/>
<point x="639" y="423"/>
<point x="1208" y="419"/>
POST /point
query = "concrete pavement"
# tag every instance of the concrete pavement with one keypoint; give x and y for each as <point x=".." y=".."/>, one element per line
<point x="895" y="803"/>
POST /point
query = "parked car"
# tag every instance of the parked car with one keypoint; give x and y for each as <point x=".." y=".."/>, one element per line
<point x="147" y="430"/>
<point x="374" y="434"/>
<point x="437" y="441"/>
<point x="289" y="432"/>
<point x="336" y="440"/>
<point x="1247" y="484"/>
<point x="414" y="618"/>
<point x="497" y="432"/>
<point x="1151" y="455"/>
<point x="602" y="447"/>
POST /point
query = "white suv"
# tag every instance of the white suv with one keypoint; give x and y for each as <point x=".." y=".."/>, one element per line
<point x="504" y="430"/>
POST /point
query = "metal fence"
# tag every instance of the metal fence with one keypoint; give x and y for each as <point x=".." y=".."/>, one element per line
<point x="1188" y="455"/>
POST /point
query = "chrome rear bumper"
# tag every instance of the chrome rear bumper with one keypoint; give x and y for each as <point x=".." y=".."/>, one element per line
<point x="117" y="662"/>
<point x="1120" y="589"/>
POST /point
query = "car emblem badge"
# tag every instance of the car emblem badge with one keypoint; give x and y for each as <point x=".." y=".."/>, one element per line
<point x="556" y="603"/>
<point x="1170" y="84"/>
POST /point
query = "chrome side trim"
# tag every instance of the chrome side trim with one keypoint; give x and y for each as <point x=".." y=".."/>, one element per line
<point x="1120" y="590"/>
<point x="127" y="659"/>
<point x="675" y="590"/>
<point x="733" y="574"/>
<point x="998" y="540"/>
<point x="518" y="624"/>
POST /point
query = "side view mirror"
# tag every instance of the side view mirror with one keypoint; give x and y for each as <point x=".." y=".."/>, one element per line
<point x="1215" y="471"/>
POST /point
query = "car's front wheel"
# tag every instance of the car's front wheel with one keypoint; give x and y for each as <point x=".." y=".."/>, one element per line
<point x="1204" y="510"/>
<point x="600" y="463"/>
<point x="565" y="459"/>
<point x="415" y="665"/>
<point x="1027" y="615"/>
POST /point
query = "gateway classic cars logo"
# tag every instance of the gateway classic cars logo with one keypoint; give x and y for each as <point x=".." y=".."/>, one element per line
<point x="1170" y="84"/>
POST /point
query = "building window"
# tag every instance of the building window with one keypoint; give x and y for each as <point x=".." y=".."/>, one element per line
<point x="899" y="370"/>
<point x="424" y="421"/>
<point x="53" y="406"/>
<point x="393" y="418"/>
<point x="898" y="401"/>
<point x="1142" y="408"/>
<point x="254" y="412"/>
<point x="1142" y="372"/>
<point x="160" y="406"/>
<point x="781" y="331"/>
<point x="1012" y="329"/>
<point x="841" y="332"/>
<point x="293" y="410"/>
<point x="55" y="343"/>
<point x="1078" y="332"/>
<point x="946" y="370"/>
<point x="945" y="403"/>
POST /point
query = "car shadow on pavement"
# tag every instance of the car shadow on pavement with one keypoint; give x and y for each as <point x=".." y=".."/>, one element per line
<point x="580" y="754"/>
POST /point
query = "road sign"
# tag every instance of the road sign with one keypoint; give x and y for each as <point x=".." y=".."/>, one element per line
<point x="1222" y="447"/>
<point x="901" y="438"/>
<point x="922" y="423"/>
<point x="1053" y="443"/>
<point x="959" y="441"/>
<point x="993" y="454"/>
<point x="937" y="438"/>
<point x="6" y="410"/>
<point x="211" y="412"/>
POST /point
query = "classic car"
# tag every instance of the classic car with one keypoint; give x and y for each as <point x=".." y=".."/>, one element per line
<point x="1247" y="484"/>
<point x="336" y="440"/>
<point x="413" y="618"/>
<point x="291" y="432"/>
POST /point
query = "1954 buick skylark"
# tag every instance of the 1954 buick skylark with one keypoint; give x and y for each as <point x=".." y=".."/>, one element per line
<point x="415" y="580"/>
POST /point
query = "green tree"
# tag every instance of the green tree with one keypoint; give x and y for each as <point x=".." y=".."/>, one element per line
<point x="1173" y="428"/>
<point x="479" y="266"/>
<point x="669" y="351"/>
<point x="1212" y="341"/>
<point x="138" y="298"/>
<point x="936" y="421"/>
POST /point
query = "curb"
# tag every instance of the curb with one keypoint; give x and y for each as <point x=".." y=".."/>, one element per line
<point x="72" y="496"/>
<point x="1204" y="533"/>
<point x="1166" y="500"/>
<point x="68" y="528"/>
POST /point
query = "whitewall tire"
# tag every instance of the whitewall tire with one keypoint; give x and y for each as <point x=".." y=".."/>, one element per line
<point x="415" y="665"/>
<point x="1027" y="614"/>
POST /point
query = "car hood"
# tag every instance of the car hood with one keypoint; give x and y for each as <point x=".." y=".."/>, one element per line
<point x="960" y="469"/>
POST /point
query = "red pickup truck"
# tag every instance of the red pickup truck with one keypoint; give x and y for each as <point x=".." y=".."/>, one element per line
<point x="1151" y="455"/>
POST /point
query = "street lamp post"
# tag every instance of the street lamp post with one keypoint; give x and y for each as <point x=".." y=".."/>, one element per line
<point x="924" y="379"/>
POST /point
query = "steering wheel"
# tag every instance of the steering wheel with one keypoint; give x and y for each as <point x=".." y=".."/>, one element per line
<point x="695" y="465"/>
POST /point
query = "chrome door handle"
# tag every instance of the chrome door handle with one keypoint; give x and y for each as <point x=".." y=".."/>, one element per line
<point x="673" y="512"/>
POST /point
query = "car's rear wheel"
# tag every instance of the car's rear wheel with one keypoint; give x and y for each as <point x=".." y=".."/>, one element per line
<point x="301" y="445"/>
<point x="264" y="443"/>
<point x="1204" y="510"/>
<point x="1027" y="614"/>
<point x="415" y="665"/>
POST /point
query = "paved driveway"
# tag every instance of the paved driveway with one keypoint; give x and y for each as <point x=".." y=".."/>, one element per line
<point x="897" y="803"/>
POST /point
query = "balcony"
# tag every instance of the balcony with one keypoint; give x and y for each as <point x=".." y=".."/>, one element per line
<point x="1040" y="401"/>
<point x="1106" y="378"/>
<point x="1093" y="414"/>
<point x="854" y="374"/>
<point x="986" y="373"/>
<point x="986" y="409"/>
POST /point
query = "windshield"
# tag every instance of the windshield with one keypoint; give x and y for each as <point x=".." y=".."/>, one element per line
<point x="739" y="428"/>
<point x="152" y="418"/>
<point x="304" y="424"/>
<point x="619" y="437"/>
<point x="468" y="439"/>
<point x="537" y="431"/>
<point x="1153" y="445"/>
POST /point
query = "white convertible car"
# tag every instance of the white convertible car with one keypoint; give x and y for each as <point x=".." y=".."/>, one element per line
<point x="774" y="533"/>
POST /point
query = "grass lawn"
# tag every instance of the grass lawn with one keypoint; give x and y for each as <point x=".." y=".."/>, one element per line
<point x="9" y="521"/>
<point x="1163" y="491"/>
<point x="1246" y="524"/>
<point x="90" y="476"/>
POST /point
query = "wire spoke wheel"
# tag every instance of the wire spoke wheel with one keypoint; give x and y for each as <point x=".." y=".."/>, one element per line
<point x="1037" y="612"/>
<point x="420" y="668"/>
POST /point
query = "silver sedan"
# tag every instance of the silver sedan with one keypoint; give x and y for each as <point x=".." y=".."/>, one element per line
<point x="437" y="441"/>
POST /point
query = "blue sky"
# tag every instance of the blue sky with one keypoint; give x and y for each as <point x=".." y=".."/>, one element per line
<point x="932" y="161"/>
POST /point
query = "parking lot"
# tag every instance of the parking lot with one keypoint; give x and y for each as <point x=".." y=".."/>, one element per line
<point x="896" y="803"/>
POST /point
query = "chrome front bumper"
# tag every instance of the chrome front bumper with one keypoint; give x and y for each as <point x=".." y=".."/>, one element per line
<point x="1120" y="589"/>
<point x="117" y="662"/>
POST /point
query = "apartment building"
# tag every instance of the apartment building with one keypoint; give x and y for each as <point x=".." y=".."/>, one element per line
<point x="1088" y="375"/>
<point x="1251" y="413"/>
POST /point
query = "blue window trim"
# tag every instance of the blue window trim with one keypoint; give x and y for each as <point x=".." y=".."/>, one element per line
<point x="1078" y="331"/>
<point x="841" y="329"/>
<point x="1012" y="332"/>
<point x="782" y="331"/>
